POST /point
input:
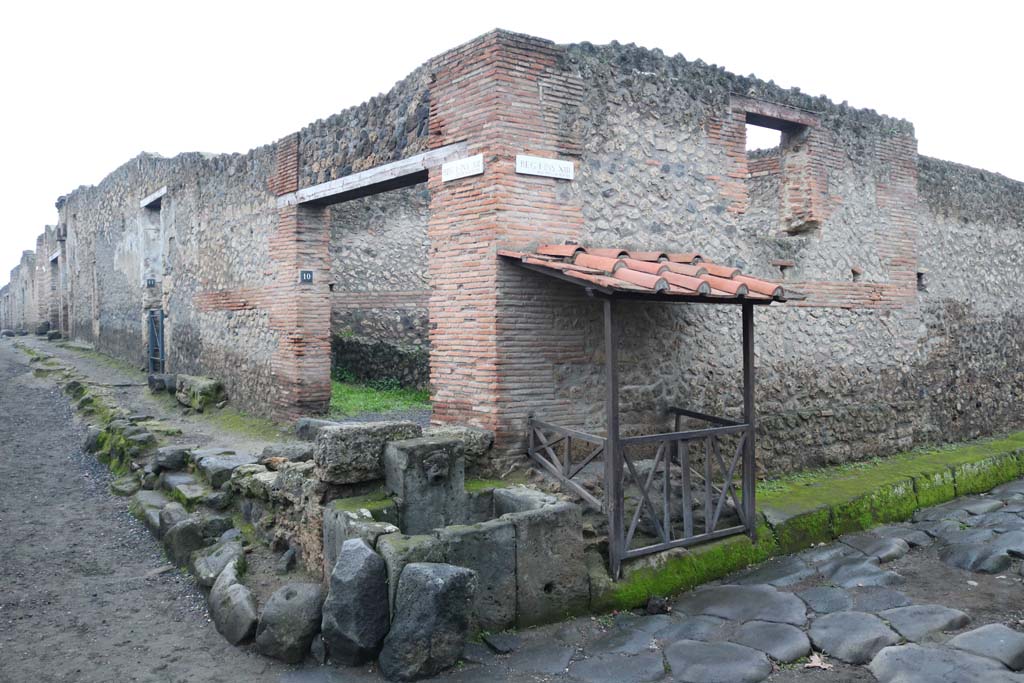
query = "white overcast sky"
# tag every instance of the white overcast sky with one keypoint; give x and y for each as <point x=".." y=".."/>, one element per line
<point x="86" y="86"/>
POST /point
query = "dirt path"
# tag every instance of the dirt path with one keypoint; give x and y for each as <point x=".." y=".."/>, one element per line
<point x="79" y="596"/>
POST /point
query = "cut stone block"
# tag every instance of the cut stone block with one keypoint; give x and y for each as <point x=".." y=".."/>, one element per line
<point x="427" y="476"/>
<point x="432" y="621"/>
<point x="520" y="499"/>
<point x="476" y="443"/>
<point x="292" y="452"/>
<point x="489" y="549"/>
<point x="341" y="525"/>
<point x="171" y="514"/>
<point x="184" y="538"/>
<point x="353" y="453"/>
<point x="170" y="458"/>
<point x="308" y="428"/>
<point x="146" y="506"/>
<point x="400" y="550"/>
<point x="198" y="393"/>
<point x="217" y="469"/>
<point x="356" y="613"/>
<point x="881" y="548"/>
<point x="551" y="573"/>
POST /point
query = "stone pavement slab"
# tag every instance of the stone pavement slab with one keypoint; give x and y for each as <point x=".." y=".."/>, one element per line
<point x="826" y="599"/>
<point x="919" y="622"/>
<point x="853" y="637"/>
<point x="917" y="664"/>
<point x="692" y="661"/>
<point x="781" y="642"/>
<point x="745" y="603"/>
<point x="642" y="668"/>
<point x="995" y="641"/>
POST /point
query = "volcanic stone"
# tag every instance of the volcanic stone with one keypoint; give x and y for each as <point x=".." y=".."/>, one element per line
<point x="693" y="661"/>
<point x="781" y="642"/>
<point x="853" y="637"/>
<point x="289" y="621"/>
<point x="995" y="641"/>
<point x="355" y="614"/>
<point x="433" y="616"/>
<point x="745" y="603"/>
<point x="918" y="622"/>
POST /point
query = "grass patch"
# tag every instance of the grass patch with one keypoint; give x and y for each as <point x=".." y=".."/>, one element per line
<point x="350" y="398"/>
<point x="234" y="420"/>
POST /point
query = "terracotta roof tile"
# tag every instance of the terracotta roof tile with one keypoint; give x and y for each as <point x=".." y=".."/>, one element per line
<point x="669" y="275"/>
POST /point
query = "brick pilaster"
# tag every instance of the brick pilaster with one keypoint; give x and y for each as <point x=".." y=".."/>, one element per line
<point x="499" y="93"/>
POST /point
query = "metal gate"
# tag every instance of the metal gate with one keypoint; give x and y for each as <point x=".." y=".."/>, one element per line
<point x="156" y="340"/>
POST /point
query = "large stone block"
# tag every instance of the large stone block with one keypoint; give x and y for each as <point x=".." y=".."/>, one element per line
<point x="341" y="525"/>
<point x="217" y="469"/>
<point x="489" y="549"/>
<point x="233" y="607"/>
<point x="520" y="499"/>
<point x="400" y="550"/>
<point x="356" y="613"/>
<point x="198" y="393"/>
<point x="308" y="428"/>
<point x="476" y="442"/>
<point x="551" y="571"/>
<point x="432" y="621"/>
<point x="289" y="621"/>
<point x="427" y="476"/>
<point x="353" y="453"/>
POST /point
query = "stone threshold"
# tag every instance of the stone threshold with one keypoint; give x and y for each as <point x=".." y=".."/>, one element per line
<point x="810" y="508"/>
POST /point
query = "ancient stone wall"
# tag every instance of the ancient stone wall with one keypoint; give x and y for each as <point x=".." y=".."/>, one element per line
<point x="21" y="310"/>
<point x="906" y="332"/>
<point x="380" y="290"/>
<point x="867" y="364"/>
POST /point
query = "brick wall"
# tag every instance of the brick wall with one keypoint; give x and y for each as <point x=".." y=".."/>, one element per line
<point x="504" y="94"/>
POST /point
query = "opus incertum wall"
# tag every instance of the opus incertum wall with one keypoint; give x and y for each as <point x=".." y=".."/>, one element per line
<point x="908" y="333"/>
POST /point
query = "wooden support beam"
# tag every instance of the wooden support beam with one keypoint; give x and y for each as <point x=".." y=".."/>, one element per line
<point x="373" y="180"/>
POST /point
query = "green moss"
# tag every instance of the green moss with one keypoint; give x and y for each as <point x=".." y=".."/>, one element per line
<point x="978" y="477"/>
<point x="247" y="530"/>
<point x="233" y="420"/>
<point x="475" y="485"/>
<point x="381" y="506"/>
<point x="803" y="530"/>
<point x="676" y="571"/>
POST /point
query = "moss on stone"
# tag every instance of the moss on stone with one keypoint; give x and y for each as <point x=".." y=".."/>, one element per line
<point x="380" y="505"/>
<point x="803" y="530"/>
<point x="981" y="476"/>
<point x="680" y="570"/>
<point x="475" y="485"/>
<point x="234" y="420"/>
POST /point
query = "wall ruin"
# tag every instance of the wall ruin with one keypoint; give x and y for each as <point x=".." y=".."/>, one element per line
<point x="907" y="334"/>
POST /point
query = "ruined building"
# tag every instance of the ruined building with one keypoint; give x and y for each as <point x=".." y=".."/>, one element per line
<point x="370" y="240"/>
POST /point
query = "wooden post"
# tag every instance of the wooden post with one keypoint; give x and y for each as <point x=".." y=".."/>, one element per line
<point x="749" y="462"/>
<point x="612" y="456"/>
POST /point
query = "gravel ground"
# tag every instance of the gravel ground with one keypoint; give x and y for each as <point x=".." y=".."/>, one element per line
<point x="80" y="597"/>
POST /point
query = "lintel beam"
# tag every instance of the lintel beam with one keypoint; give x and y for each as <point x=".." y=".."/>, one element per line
<point x="378" y="179"/>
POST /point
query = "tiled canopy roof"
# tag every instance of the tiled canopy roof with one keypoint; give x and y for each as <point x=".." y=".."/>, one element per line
<point x="665" y="275"/>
